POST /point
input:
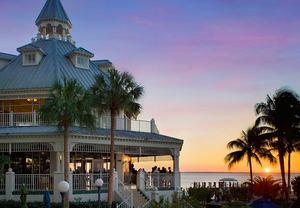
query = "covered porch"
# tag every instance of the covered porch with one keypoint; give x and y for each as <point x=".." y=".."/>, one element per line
<point x="37" y="161"/>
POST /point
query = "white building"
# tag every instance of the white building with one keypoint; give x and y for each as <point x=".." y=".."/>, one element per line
<point x="36" y="149"/>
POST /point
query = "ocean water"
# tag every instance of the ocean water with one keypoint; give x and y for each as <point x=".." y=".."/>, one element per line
<point x="187" y="179"/>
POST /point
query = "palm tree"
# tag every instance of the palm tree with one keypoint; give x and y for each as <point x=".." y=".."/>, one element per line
<point x="68" y="104"/>
<point x="119" y="92"/>
<point x="267" y="188"/>
<point x="250" y="146"/>
<point x="278" y="121"/>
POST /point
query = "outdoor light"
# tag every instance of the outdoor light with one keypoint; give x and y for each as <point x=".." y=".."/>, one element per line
<point x="63" y="188"/>
<point x="99" y="183"/>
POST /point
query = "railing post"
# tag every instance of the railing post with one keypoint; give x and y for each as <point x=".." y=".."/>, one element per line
<point x="11" y="118"/>
<point x="9" y="184"/>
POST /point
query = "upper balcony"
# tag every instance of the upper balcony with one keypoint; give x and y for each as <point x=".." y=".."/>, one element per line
<point x="13" y="119"/>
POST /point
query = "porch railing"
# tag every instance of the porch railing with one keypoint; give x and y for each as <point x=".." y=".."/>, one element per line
<point x="161" y="181"/>
<point x="34" y="182"/>
<point x="86" y="181"/>
<point x="34" y="119"/>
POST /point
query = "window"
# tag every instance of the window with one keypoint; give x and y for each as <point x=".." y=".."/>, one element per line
<point x="82" y="62"/>
<point x="29" y="59"/>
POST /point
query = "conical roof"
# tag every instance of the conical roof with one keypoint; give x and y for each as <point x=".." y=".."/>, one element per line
<point x="53" y="10"/>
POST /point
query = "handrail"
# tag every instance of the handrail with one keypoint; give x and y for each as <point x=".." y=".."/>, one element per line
<point x="147" y="204"/>
<point x="103" y="121"/>
<point x="126" y="195"/>
<point x="125" y="203"/>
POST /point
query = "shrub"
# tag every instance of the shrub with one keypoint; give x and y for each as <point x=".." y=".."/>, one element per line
<point x="235" y="205"/>
<point x="296" y="186"/>
<point x="267" y="188"/>
<point x="17" y="204"/>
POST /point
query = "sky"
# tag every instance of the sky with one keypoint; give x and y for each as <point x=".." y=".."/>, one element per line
<point x="204" y="64"/>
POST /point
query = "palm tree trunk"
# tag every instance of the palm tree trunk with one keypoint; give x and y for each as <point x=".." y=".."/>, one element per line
<point x="251" y="172"/>
<point x="282" y="171"/>
<point x="289" y="173"/>
<point x="112" y="159"/>
<point x="66" y="162"/>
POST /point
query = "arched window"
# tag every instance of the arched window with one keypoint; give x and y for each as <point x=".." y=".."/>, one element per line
<point x="59" y="30"/>
<point x="49" y="29"/>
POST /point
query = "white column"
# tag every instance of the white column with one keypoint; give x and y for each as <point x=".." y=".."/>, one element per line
<point x="58" y="177"/>
<point x="116" y="181"/>
<point x="34" y="118"/>
<point x="176" y="170"/>
<point x="9" y="184"/>
<point x="140" y="180"/>
<point x="120" y="167"/>
<point x="59" y="161"/>
<point x="57" y="168"/>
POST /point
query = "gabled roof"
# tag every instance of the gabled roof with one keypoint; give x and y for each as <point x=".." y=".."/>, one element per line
<point x="30" y="47"/>
<point x="53" y="67"/>
<point x="7" y="56"/>
<point x="81" y="51"/>
<point x="53" y="10"/>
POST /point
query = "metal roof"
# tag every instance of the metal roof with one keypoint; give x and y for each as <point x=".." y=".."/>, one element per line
<point x="30" y="47"/>
<point x="53" y="67"/>
<point x="53" y="10"/>
<point x="42" y="130"/>
<point x="7" y="56"/>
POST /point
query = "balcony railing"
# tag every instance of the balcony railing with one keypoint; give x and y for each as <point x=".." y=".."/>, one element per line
<point x="161" y="181"/>
<point x="34" y="119"/>
<point x="34" y="182"/>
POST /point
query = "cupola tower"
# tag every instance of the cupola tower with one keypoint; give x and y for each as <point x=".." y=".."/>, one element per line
<point x="53" y="22"/>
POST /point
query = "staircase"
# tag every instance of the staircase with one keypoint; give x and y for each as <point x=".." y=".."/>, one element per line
<point x="139" y="200"/>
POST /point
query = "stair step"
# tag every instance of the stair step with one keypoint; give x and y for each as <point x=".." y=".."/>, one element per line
<point x="138" y="198"/>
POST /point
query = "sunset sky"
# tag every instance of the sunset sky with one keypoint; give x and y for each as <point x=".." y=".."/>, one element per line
<point x="204" y="64"/>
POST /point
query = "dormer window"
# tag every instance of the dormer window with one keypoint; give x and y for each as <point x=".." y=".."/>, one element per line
<point x="80" y="58"/>
<point x="31" y="55"/>
<point x="82" y="62"/>
<point x="29" y="59"/>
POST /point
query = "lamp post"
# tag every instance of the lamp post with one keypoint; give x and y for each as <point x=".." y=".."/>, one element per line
<point x="63" y="188"/>
<point x="99" y="184"/>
